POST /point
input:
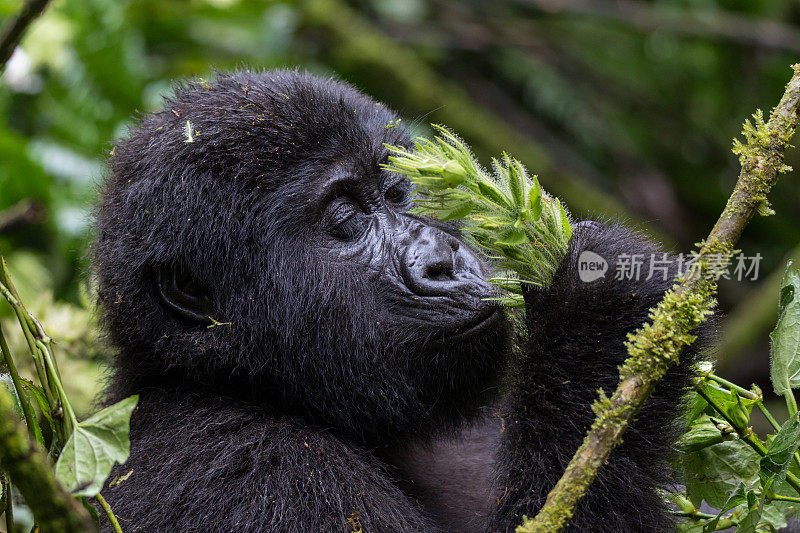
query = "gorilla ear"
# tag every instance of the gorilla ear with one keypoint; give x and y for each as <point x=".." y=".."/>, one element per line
<point x="182" y="294"/>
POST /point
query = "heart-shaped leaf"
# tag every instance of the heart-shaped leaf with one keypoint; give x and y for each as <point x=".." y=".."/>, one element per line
<point x="96" y="444"/>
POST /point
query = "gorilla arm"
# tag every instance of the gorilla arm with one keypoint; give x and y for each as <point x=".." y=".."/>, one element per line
<point x="576" y="342"/>
<point x="206" y="464"/>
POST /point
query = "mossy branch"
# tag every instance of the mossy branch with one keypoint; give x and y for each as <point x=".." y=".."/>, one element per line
<point x="32" y="473"/>
<point x="656" y="346"/>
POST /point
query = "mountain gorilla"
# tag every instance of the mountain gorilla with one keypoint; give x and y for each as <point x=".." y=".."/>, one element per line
<point x="311" y="357"/>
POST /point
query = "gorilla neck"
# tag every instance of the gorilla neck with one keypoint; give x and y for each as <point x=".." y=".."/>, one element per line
<point x="373" y="407"/>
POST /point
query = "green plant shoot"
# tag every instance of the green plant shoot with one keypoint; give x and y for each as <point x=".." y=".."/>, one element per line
<point x="506" y="212"/>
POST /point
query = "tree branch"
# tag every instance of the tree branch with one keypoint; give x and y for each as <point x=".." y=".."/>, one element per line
<point x="15" y="29"/>
<point x="31" y="472"/>
<point x="22" y="213"/>
<point x="655" y="347"/>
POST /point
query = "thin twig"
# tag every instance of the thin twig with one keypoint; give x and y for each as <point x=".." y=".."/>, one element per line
<point x="733" y="386"/>
<point x="24" y="401"/>
<point x="791" y="403"/>
<point x="20" y="214"/>
<point x="781" y="498"/>
<point x="696" y="514"/>
<point x="15" y="29"/>
<point x="768" y="415"/>
<point x="8" y="504"/>
<point x="109" y="513"/>
<point x="655" y="347"/>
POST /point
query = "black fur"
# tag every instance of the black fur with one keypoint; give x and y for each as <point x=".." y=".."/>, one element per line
<point x="347" y="343"/>
<point x="575" y="347"/>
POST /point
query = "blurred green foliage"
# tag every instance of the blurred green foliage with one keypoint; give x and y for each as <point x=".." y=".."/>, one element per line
<point x="636" y="100"/>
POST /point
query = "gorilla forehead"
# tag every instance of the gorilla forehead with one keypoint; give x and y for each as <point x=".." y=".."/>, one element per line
<point x="256" y="126"/>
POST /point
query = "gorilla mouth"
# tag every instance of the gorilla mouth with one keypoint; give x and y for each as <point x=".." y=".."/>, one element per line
<point x="474" y="326"/>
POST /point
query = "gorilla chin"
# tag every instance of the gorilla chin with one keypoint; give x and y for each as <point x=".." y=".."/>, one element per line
<point x="433" y="380"/>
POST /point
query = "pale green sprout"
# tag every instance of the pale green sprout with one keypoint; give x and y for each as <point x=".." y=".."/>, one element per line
<point x="506" y="212"/>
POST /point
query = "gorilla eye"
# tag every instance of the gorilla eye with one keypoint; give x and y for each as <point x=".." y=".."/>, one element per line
<point x="396" y="194"/>
<point x="344" y="219"/>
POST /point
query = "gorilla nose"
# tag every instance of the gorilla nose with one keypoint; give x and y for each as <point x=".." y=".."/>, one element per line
<point x="436" y="264"/>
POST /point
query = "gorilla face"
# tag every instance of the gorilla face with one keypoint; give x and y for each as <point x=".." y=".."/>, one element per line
<point x="396" y="337"/>
<point x="277" y="218"/>
<point x="426" y="281"/>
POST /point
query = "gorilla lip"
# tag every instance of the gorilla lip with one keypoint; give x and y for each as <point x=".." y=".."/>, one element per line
<point x="475" y="326"/>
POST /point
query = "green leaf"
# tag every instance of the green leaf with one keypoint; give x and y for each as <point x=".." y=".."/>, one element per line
<point x="775" y="514"/>
<point x="535" y="199"/>
<point x="785" y="349"/>
<point x="713" y="473"/>
<point x="511" y="218"/>
<point x="737" y="497"/>
<point x="780" y="452"/>
<point x="752" y="519"/>
<point x="429" y="166"/>
<point x="453" y="173"/>
<point x="689" y="525"/>
<point x="777" y="511"/>
<point x="491" y="192"/>
<point x="430" y="183"/>
<point x="96" y="444"/>
<point x="511" y="252"/>
<point x="460" y="211"/>
<point x="562" y="220"/>
<point x="733" y="406"/>
<point x="509" y="284"/>
<point x="8" y="383"/>
<point x="696" y="406"/>
<point x="516" y="180"/>
<point x="491" y="223"/>
<point x="513" y="237"/>
<point x="37" y="393"/>
<point x="513" y="301"/>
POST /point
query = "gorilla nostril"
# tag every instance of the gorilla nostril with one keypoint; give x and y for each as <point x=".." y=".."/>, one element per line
<point x="439" y="271"/>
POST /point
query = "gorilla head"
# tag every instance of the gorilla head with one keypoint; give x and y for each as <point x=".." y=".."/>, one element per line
<point x="258" y="200"/>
